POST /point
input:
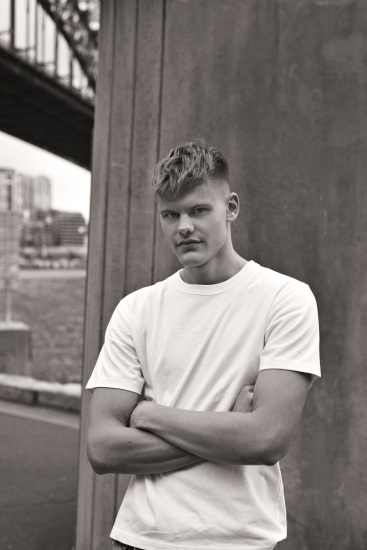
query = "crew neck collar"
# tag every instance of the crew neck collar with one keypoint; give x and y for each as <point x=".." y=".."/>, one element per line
<point x="217" y="288"/>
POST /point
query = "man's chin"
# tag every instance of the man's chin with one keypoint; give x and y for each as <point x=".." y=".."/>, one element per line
<point x="189" y="260"/>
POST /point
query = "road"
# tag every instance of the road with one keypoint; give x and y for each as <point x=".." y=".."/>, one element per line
<point x="38" y="478"/>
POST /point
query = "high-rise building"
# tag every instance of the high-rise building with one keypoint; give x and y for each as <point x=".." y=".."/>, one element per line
<point x="41" y="193"/>
<point x="19" y="192"/>
<point x="10" y="220"/>
<point x="10" y="190"/>
<point x="27" y="192"/>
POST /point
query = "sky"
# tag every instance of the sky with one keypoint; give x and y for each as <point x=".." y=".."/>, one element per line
<point x="70" y="182"/>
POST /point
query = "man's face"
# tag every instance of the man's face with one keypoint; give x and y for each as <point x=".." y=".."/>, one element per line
<point x="196" y="224"/>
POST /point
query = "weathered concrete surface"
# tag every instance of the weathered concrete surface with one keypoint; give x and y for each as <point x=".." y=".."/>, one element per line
<point x="15" y="348"/>
<point x="280" y="87"/>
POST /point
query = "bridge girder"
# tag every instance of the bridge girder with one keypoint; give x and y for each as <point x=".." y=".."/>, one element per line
<point x="38" y="104"/>
<point x="36" y="109"/>
<point x="74" y="24"/>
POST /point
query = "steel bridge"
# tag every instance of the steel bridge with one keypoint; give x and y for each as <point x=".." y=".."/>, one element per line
<point x="48" y="70"/>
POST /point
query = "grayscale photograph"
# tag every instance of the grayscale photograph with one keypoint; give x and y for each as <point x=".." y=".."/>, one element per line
<point x="183" y="289"/>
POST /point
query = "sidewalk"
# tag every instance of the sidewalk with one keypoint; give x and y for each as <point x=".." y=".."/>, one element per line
<point x="38" y="477"/>
<point x="27" y="390"/>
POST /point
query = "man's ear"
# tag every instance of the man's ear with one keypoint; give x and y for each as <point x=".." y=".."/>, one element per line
<point x="233" y="207"/>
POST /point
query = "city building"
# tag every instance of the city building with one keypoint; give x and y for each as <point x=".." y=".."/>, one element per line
<point x="70" y="229"/>
<point x="41" y="193"/>
<point x="30" y="227"/>
<point x="19" y="192"/>
<point x="10" y="221"/>
<point x="10" y="190"/>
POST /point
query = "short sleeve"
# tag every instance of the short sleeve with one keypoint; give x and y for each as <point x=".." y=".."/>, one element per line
<point x="292" y="332"/>
<point x="118" y="365"/>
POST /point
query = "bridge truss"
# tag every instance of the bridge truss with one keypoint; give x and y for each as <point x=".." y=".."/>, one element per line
<point x="48" y="71"/>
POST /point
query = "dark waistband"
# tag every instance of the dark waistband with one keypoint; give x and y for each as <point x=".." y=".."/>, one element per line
<point x="116" y="545"/>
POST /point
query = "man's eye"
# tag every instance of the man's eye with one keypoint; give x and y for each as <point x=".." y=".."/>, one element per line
<point x="200" y="210"/>
<point x="170" y="215"/>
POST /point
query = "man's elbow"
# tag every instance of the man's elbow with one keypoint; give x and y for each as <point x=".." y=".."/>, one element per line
<point x="270" y="457"/>
<point x="267" y="453"/>
<point x="98" y="468"/>
<point x="103" y="455"/>
<point x="273" y="450"/>
<point x="107" y="458"/>
<point x="97" y="456"/>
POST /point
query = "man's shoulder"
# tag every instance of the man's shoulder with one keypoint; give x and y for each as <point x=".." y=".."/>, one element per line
<point x="147" y="293"/>
<point x="276" y="279"/>
<point x="134" y="306"/>
<point x="275" y="285"/>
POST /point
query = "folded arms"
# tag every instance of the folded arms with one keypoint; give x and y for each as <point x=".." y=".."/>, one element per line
<point x="126" y="436"/>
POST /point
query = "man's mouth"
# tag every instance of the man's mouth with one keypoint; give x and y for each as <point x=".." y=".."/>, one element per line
<point x="188" y="241"/>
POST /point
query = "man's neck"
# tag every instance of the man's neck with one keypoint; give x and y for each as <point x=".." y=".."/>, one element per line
<point x="213" y="272"/>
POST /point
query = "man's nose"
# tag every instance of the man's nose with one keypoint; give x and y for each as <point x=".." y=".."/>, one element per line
<point x="185" y="225"/>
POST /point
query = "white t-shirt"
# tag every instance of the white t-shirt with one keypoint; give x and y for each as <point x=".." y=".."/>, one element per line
<point x="195" y="347"/>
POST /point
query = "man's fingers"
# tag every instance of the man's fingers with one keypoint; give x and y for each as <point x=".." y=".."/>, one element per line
<point x="244" y="401"/>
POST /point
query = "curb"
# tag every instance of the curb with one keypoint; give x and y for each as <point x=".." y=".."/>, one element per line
<point x="24" y="389"/>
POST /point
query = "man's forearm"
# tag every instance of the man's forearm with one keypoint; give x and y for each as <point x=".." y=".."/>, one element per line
<point x="226" y="437"/>
<point x="255" y="433"/>
<point x="134" y="451"/>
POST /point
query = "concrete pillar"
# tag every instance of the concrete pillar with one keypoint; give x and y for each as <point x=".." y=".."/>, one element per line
<point x="279" y="87"/>
<point x="122" y="223"/>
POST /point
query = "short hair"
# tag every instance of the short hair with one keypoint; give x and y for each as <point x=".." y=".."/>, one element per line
<point x="187" y="166"/>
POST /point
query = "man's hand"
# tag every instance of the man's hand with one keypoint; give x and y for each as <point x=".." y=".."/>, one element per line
<point x="244" y="401"/>
<point x="140" y="413"/>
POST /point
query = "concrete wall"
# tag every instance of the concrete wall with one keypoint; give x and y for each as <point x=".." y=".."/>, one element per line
<point x="280" y="87"/>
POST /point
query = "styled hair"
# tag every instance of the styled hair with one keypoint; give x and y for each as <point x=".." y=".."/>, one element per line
<point x="187" y="166"/>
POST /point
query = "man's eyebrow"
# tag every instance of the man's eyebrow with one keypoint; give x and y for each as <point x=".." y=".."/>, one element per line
<point x="199" y="205"/>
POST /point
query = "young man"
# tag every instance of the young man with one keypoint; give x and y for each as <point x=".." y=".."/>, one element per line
<point x="172" y="399"/>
